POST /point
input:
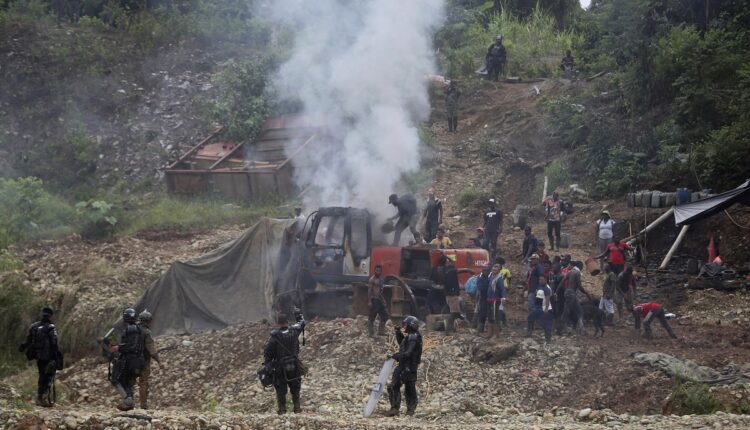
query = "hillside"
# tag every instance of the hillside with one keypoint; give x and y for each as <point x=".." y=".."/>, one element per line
<point x="98" y="96"/>
<point x="203" y="383"/>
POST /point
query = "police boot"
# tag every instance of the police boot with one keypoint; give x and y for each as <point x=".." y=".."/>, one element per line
<point x="370" y="329"/>
<point x="127" y="404"/>
<point x="529" y="328"/>
<point x="392" y="412"/>
<point x="41" y="401"/>
<point x="297" y="407"/>
<point x="411" y="409"/>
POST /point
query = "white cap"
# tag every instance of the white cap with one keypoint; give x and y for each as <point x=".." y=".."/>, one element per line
<point x="492" y="200"/>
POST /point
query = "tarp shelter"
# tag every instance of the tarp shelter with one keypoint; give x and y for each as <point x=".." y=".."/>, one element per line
<point x="231" y="284"/>
<point x="692" y="212"/>
<point x="688" y="370"/>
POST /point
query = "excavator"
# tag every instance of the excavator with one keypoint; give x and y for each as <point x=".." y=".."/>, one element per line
<point x="333" y="255"/>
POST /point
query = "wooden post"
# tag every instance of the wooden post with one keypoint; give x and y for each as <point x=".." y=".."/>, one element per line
<point x="653" y="225"/>
<point x="674" y="247"/>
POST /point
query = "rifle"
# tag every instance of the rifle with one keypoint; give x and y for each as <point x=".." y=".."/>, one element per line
<point x="109" y="355"/>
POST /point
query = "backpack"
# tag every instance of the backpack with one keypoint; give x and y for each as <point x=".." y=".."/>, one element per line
<point x="471" y="285"/>
<point x="409" y="204"/>
<point x="132" y="348"/>
<point x="41" y="346"/>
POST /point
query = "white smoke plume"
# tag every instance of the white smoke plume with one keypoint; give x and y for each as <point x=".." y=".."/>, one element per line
<point x="361" y="65"/>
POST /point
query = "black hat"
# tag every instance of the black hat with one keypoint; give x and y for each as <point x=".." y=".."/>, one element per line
<point x="393" y="198"/>
<point x="282" y="319"/>
<point x="47" y="312"/>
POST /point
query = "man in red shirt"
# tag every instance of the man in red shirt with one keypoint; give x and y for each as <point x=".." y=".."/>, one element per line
<point x="649" y="311"/>
<point x="615" y="255"/>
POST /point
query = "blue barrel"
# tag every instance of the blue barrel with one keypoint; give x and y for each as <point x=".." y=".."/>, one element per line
<point x="683" y="196"/>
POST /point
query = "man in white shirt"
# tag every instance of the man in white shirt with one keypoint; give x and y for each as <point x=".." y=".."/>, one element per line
<point x="605" y="230"/>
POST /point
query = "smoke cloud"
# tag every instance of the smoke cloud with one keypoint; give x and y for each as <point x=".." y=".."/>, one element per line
<point x="360" y="66"/>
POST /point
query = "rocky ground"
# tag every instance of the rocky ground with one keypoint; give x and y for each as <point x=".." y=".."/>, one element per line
<point x="88" y="283"/>
<point x="208" y="381"/>
<point x="465" y="381"/>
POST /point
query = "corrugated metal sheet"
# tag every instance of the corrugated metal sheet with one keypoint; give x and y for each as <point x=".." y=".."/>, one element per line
<point x="244" y="171"/>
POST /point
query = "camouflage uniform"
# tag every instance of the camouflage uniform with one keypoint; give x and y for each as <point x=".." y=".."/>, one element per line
<point x="152" y="353"/>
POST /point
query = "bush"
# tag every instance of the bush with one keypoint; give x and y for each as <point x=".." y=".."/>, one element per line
<point x="534" y="44"/>
<point x="693" y="398"/>
<point x="29" y="212"/>
<point x="469" y="197"/>
<point x="558" y="175"/>
<point x="9" y="261"/>
<point x="240" y="102"/>
<point x="96" y="218"/>
<point x="18" y="305"/>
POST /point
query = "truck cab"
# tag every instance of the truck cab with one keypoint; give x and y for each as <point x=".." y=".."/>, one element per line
<point x="337" y="245"/>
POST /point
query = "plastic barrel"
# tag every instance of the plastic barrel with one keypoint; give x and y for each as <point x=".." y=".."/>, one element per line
<point x="564" y="240"/>
<point x="683" y="196"/>
<point x="645" y="199"/>
<point x="592" y="265"/>
<point x="655" y="199"/>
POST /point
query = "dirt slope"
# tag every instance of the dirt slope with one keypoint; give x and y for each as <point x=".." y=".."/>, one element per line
<point x="209" y="378"/>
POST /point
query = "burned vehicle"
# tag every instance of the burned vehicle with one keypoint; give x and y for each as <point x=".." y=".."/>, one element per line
<point x="335" y="255"/>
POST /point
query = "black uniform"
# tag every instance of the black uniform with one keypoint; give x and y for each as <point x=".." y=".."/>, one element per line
<point x="41" y="345"/>
<point x="281" y="353"/>
<point x="131" y="358"/>
<point x="409" y="356"/>
<point x="495" y="58"/>
<point x="407" y="210"/>
<point x="493" y="226"/>
<point x="432" y="215"/>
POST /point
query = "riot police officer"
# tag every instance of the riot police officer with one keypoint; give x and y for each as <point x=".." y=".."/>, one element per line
<point x="41" y="345"/>
<point x="409" y="356"/>
<point x="130" y="357"/>
<point x="281" y="354"/>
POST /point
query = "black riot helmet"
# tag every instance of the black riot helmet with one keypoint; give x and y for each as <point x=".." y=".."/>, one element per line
<point x="411" y="324"/>
<point x="145" y="316"/>
<point x="128" y="315"/>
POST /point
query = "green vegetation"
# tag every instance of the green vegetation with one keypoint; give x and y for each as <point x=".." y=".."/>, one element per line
<point x="241" y="102"/>
<point x="18" y="304"/>
<point x="97" y="220"/>
<point x="534" y="43"/>
<point x="28" y="212"/>
<point x="693" y="398"/>
<point x="558" y="175"/>
<point x="469" y="196"/>
<point x="679" y="74"/>
<point x="148" y="24"/>
<point x="172" y="212"/>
